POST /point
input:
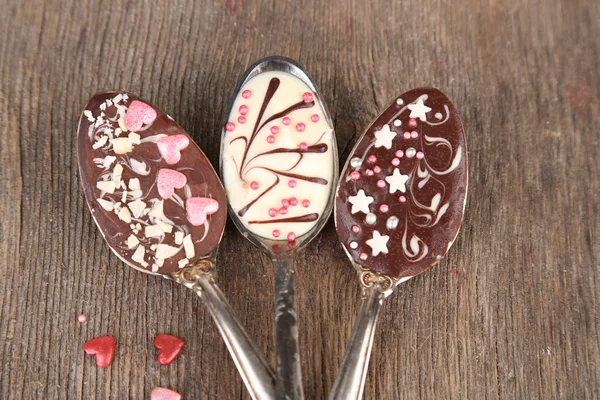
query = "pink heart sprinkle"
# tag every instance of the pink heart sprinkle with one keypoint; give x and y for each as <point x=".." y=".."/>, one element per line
<point x="198" y="208"/>
<point x="168" y="180"/>
<point x="138" y="114"/>
<point x="160" y="393"/>
<point x="170" y="147"/>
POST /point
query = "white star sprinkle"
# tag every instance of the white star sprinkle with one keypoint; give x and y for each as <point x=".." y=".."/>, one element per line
<point x="418" y="110"/>
<point x="397" y="181"/>
<point x="378" y="243"/>
<point x="360" y="202"/>
<point x="384" y="137"/>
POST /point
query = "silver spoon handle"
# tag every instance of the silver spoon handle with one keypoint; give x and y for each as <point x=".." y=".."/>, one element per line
<point x="257" y="374"/>
<point x="289" y="372"/>
<point x="350" y="380"/>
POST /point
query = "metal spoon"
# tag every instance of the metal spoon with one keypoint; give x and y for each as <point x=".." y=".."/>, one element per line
<point x="398" y="209"/>
<point x="279" y="166"/>
<point x="160" y="206"/>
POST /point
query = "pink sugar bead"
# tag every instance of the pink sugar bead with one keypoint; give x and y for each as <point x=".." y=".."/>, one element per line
<point x="314" y="118"/>
<point x="274" y="129"/>
<point x="406" y="135"/>
<point x="412" y="122"/>
<point x="372" y="159"/>
<point x="381" y="183"/>
<point x="276" y="233"/>
<point x="384" y="208"/>
<point x="82" y="318"/>
<point x="355" y="175"/>
<point x="292" y="183"/>
<point x="420" y="155"/>
<point x="283" y="210"/>
<point x="254" y="185"/>
<point x="272" y="212"/>
<point x="377" y="169"/>
<point x="286" y="121"/>
<point x="285" y="203"/>
<point x="306" y="203"/>
<point x="242" y="119"/>
<point x="399" y="154"/>
<point x="270" y="139"/>
<point x="291" y="236"/>
<point x="300" y="127"/>
<point x="402" y="199"/>
<point x="230" y="126"/>
<point x="414" y="134"/>
<point x="246" y="94"/>
<point x="303" y="146"/>
<point x="243" y="109"/>
<point x="293" y="201"/>
<point x="355" y="228"/>
<point x="363" y="256"/>
<point x="307" y="97"/>
<point x="395" y="162"/>
<point x="369" y="172"/>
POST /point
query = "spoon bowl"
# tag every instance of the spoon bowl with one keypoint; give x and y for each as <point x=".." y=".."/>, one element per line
<point x="279" y="166"/>
<point x="160" y="206"/>
<point x="399" y="207"/>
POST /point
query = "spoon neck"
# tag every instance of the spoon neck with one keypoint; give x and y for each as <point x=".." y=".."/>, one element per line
<point x="351" y="376"/>
<point x="289" y="373"/>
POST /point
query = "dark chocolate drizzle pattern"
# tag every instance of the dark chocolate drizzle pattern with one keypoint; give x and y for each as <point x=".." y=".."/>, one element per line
<point x="104" y="116"/>
<point x="406" y="181"/>
<point x="243" y="167"/>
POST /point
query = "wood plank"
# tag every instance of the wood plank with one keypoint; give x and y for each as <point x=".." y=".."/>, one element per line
<point x="510" y="313"/>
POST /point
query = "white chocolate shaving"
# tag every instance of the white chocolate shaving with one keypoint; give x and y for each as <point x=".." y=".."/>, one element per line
<point x="125" y="215"/>
<point x="165" y="251"/>
<point x="137" y="207"/>
<point x="107" y="205"/>
<point x="121" y="145"/>
<point x="153" y="231"/>
<point x="106" y="186"/>
<point x="188" y="245"/>
<point x="132" y="242"/>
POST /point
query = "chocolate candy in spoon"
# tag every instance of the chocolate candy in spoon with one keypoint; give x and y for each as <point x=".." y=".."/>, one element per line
<point x="279" y="166"/>
<point x="399" y="207"/>
<point x="161" y="207"/>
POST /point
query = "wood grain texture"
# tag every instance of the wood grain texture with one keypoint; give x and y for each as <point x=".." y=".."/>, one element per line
<point x="511" y="313"/>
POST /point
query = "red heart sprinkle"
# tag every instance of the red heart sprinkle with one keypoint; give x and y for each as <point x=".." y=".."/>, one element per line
<point x="103" y="348"/>
<point x="138" y="114"/>
<point x="160" y="393"/>
<point x="169" y="346"/>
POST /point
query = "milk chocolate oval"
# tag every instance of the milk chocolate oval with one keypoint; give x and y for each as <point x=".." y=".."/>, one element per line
<point x="401" y="196"/>
<point x="152" y="192"/>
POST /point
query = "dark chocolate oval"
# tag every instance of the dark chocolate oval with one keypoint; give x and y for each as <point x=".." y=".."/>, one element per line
<point x="153" y="193"/>
<point x="401" y="196"/>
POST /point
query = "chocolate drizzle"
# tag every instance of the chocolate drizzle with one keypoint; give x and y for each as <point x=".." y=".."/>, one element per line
<point x="302" y="218"/>
<point x="245" y="209"/>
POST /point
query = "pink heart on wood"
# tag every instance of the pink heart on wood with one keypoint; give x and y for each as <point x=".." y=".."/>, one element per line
<point x="170" y="147"/>
<point x="168" y="180"/>
<point x="138" y="114"/>
<point x="198" y="208"/>
<point x="103" y="348"/>
<point x="164" y="394"/>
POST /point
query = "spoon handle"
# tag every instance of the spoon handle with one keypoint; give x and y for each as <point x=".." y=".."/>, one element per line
<point x="257" y="374"/>
<point x="289" y="373"/>
<point x="350" y="380"/>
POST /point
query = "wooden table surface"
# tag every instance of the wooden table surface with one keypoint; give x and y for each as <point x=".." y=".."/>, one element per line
<point x="511" y="313"/>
